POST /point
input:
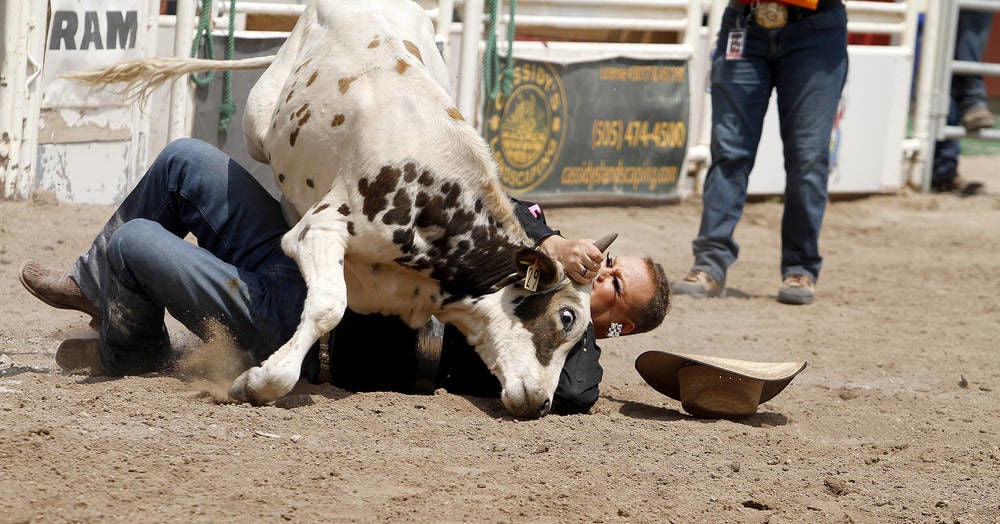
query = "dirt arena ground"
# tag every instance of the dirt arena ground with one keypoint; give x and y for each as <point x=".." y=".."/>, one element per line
<point x="896" y="419"/>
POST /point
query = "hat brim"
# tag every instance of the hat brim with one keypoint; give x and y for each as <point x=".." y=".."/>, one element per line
<point x="659" y="370"/>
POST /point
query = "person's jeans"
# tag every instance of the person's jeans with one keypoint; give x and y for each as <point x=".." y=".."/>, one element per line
<point x="806" y="62"/>
<point x="967" y="91"/>
<point x="237" y="275"/>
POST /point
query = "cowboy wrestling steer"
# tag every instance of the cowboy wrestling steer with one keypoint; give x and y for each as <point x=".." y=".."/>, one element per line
<point x="397" y="204"/>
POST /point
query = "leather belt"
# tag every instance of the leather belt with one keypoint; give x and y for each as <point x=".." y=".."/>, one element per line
<point x="794" y="13"/>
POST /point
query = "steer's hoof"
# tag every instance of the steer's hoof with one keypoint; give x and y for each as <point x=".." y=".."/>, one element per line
<point x="260" y="385"/>
<point x="241" y="390"/>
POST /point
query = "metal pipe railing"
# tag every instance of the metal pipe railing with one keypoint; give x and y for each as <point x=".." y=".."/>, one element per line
<point x="932" y="113"/>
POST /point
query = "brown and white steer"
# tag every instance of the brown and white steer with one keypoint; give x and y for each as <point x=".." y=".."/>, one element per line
<point x="396" y="202"/>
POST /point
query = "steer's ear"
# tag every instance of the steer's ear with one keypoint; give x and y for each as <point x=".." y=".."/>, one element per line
<point x="549" y="271"/>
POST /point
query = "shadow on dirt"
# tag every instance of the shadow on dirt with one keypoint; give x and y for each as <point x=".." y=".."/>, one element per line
<point x="639" y="410"/>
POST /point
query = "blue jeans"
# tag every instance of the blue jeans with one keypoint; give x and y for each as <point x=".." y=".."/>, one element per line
<point x="967" y="91"/>
<point x="806" y="62"/>
<point x="237" y="276"/>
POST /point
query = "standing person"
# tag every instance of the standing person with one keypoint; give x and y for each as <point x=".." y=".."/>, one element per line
<point x="800" y="52"/>
<point x="967" y="105"/>
<point x="139" y="266"/>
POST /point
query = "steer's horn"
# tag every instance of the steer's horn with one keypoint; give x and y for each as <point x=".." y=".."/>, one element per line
<point x="604" y="242"/>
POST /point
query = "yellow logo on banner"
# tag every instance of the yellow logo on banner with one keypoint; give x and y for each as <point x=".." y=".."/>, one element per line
<point x="528" y="128"/>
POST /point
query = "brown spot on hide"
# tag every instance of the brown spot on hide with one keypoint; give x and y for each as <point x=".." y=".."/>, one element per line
<point x="461" y="222"/>
<point x="426" y="178"/>
<point x="451" y="194"/>
<point x="289" y="97"/>
<point x="534" y="314"/>
<point x="409" y="172"/>
<point x="431" y="213"/>
<point x="338" y="119"/>
<point x="293" y="137"/>
<point x="310" y="183"/>
<point x="413" y="49"/>
<point x="345" y="83"/>
<point x="305" y="118"/>
<point x="374" y="43"/>
<point x="480" y="234"/>
<point x="350" y="228"/>
<point x="302" y="65"/>
<point x="302" y="109"/>
<point x="344" y="210"/>
<point x="377" y="191"/>
<point x="455" y="114"/>
<point x="479" y="205"/>
<point x="416" y="292"/>
<point x="404" y="239"/>
<point x="401" y="66"/>
<point x="302" y="234"/>
<point x="281" y="178"/>
<point x="400" y="212"/>
<point x="312" y="78"/>
<point x="320" y="208"/>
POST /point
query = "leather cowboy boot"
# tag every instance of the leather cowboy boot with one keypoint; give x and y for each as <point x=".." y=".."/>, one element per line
<point x="80" y="354"/>
<point x="57" y="289"/>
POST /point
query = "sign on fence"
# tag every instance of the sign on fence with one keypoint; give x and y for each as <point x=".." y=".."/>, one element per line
<point x="615" y="127"/>
<point x="88" y="34"/>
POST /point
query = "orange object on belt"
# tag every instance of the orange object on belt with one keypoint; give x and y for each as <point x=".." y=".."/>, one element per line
<point x="808" y="4"/>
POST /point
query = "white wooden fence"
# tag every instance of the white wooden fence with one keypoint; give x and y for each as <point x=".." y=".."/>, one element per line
<point x="877" y="97"/>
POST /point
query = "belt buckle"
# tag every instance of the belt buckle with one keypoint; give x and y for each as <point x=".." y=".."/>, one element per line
<point x="771" y="15"/>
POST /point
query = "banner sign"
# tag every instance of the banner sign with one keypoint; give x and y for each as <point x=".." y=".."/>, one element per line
<point x="615" y="127"/>
<point x="88" y="34"/>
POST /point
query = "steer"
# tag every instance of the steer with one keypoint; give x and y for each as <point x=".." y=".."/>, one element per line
<point x="396" y="202"/>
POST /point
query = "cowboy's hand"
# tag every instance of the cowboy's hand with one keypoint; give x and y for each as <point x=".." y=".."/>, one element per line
<point x="580" y="258"/>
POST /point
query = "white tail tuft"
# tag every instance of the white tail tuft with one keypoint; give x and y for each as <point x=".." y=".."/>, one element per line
<point x="139" y="78"/>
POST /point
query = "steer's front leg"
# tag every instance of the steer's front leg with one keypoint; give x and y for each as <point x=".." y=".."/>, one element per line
<point x="319" y="251"/>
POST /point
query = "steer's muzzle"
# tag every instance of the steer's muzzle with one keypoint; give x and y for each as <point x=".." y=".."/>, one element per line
<point x="526" y="403"/>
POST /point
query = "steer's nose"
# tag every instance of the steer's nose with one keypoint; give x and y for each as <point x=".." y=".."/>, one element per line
<point x="545" y="408"/>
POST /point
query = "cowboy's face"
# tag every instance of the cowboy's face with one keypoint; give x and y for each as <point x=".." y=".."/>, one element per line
<point x="622" y="285"/>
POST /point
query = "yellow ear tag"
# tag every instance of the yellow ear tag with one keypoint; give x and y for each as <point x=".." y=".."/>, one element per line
<point x="531" y="277"/>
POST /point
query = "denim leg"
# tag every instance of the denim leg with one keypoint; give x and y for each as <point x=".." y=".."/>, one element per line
<point x="810" y="76"/>
<point x="741" y="90"/>
<point x="139" y="264"/>
<point x="973" y="31"/>
<point x="193" y="187"/>
<point x="946" y="151"/>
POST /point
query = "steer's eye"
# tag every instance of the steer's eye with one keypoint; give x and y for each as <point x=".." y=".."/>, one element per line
<point x="568" y="318"/>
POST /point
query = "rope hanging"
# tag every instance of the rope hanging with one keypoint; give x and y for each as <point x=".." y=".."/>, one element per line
<point x="228" y="107"/>
<point x="203" y="40"/>
<point x="496" y="81"/>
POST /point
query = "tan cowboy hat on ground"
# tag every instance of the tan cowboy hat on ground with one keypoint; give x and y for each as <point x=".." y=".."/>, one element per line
<point x="714" y="386"/>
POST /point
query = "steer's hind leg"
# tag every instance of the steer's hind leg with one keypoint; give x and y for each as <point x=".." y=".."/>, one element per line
<point x="319" y="251"/>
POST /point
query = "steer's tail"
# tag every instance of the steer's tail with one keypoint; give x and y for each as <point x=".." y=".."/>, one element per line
<point x="139" y="78"/>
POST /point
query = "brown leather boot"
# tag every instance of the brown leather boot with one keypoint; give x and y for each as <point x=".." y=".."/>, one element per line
<point x="80" y="355"/>
<point x="57" y="289"/>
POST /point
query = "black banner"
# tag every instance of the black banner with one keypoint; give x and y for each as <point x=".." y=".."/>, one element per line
<point x="614" y="127"/>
